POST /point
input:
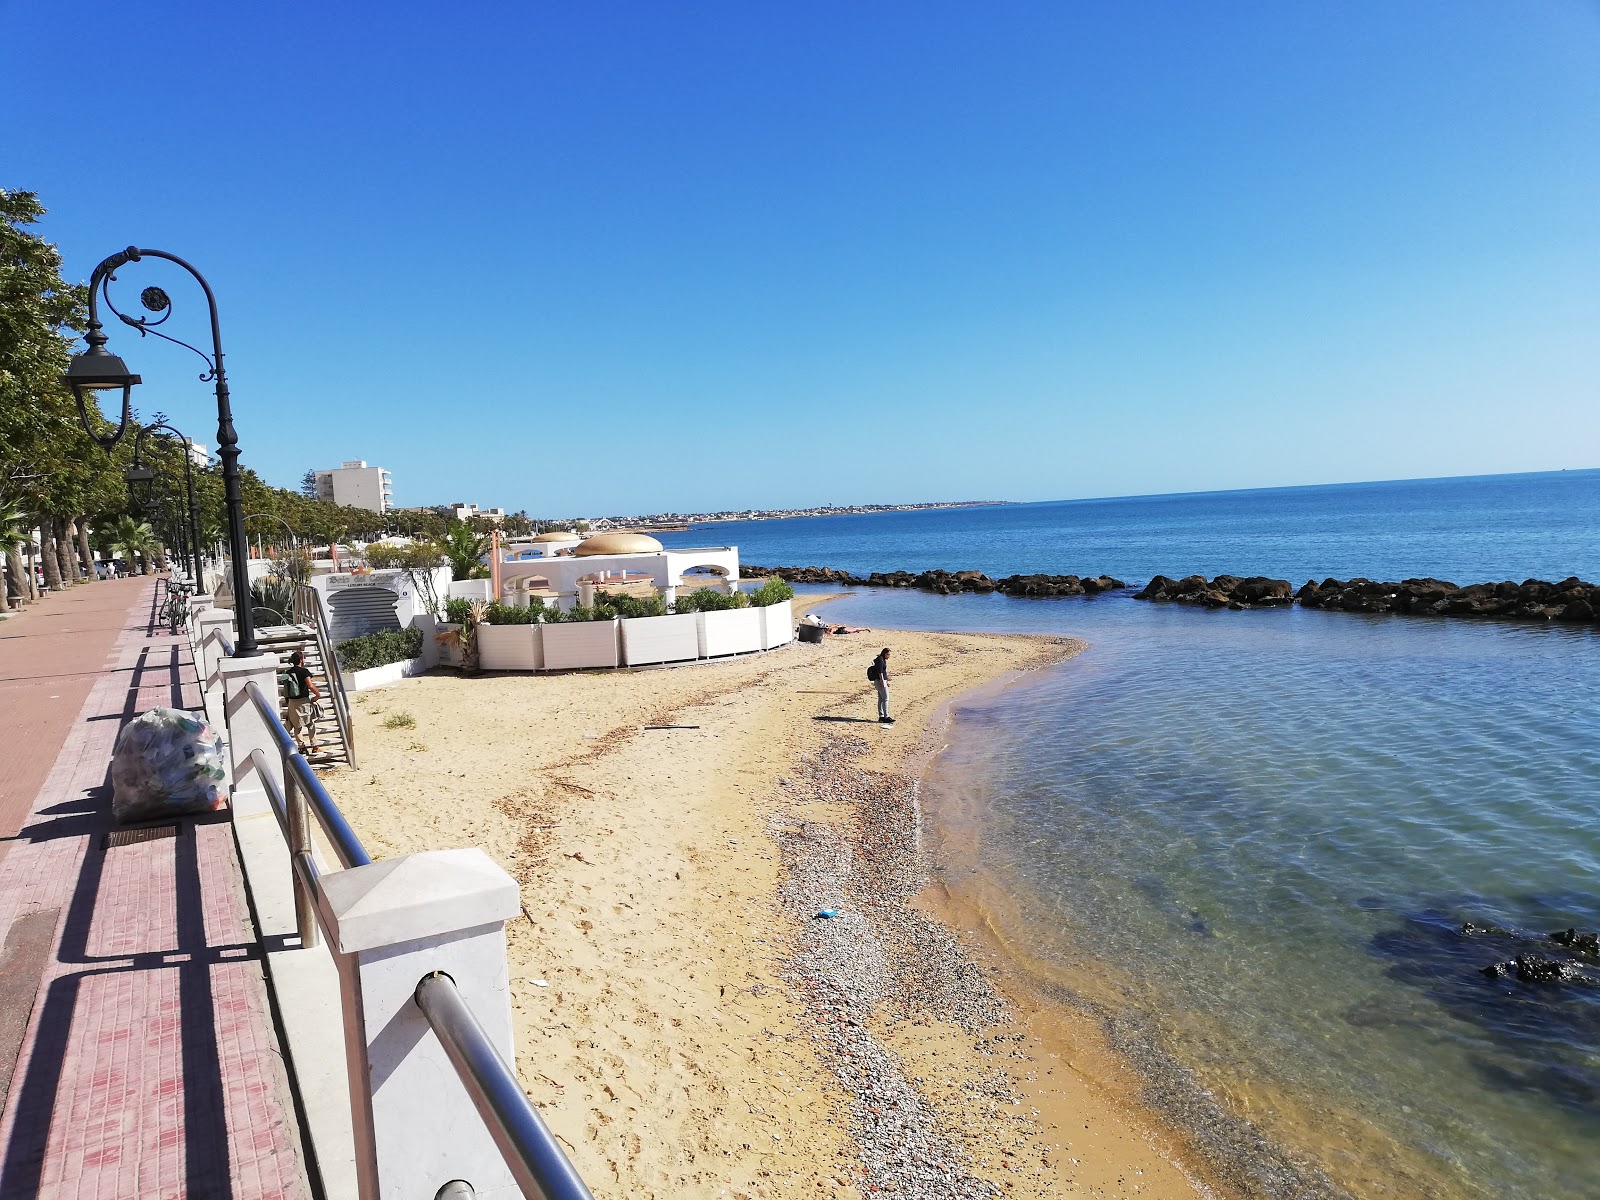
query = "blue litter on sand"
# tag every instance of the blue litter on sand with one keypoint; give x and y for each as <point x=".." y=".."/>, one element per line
<point x="827" y="914"/>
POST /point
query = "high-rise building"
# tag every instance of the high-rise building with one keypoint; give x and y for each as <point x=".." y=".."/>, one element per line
<point x="357" y="485"/>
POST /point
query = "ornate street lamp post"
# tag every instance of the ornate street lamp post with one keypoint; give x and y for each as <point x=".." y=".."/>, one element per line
<point x="142" y="474"/>
<point x="97" y="370"/>
<point x="294" y="540"/>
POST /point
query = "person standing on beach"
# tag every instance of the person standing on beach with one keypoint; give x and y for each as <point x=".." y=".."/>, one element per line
<point x="878" y="672"/>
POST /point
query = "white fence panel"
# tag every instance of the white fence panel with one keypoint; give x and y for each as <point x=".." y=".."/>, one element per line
<point x="581" y="644"/>
<point x="660" y="639"/>
<point x="777" y="625"/>
<point x="729" y="631"/>
<point x="510" y="647"/>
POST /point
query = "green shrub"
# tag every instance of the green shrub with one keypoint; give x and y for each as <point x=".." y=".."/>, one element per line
<point x="706" y="600"/>
<point x="510" y="614"/>
<point x="379" y="649"/>
<point x="458" y="611"/>
<point x="624" y="605"/>
<point x="773" y="591"/>
<point x="275" y="595"/>
<point x="399" y="720"/>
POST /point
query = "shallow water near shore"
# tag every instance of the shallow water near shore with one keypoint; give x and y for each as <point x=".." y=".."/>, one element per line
<point x="1260" y="832"/>
<point x="1272" y="826"/>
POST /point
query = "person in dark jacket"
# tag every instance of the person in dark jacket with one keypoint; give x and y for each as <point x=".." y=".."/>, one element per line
<point x="879" y="674"/>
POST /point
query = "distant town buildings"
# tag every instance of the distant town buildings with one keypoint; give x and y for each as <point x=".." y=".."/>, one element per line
<point x="465" y="512"/>
<point x="198" y="454"/>
<point x="357" y="485"/>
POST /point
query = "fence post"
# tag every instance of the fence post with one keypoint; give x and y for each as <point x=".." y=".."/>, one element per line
<point x="248" y="731"/>
<point x="389" y="924"/>
<point x="219" y="620"/>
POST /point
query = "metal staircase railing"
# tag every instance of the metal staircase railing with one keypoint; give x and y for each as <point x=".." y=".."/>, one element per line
<point x="309" y="611"/>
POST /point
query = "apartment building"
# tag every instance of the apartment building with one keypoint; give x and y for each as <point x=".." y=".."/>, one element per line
<point x="356" y="484"/>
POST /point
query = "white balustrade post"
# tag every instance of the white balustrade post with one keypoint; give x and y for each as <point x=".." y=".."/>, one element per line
<point x="208" y="625"/>
<point x="248" y="731"/>
<point x="390" y="924"/>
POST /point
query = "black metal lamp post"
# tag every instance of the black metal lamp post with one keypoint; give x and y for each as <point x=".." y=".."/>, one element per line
<point x="142" y="474"/>
<point x="97" y="370"/>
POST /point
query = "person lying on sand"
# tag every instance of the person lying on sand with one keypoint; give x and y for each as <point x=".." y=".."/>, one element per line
<point x="843" y="629"/>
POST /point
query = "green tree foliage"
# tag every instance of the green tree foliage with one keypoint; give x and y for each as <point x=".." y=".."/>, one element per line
<point x="48" y="465"/>
<point x="135" y="542"/>
<point x="464" y="549"/>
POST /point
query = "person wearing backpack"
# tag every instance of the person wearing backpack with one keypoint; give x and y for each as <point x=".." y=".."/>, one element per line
<point x="878" y="672"/>
<point x="298" y="693"/>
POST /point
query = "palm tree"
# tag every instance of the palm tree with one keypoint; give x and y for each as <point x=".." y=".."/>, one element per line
<point x="135" y="541"/>
<point x="464" y="549"/>
<point x="13" y="537"/>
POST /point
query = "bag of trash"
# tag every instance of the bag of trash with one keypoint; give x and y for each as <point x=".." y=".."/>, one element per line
<point x="167" y="763"/>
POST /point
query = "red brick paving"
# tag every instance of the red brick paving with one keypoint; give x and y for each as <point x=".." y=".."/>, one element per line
<point x="149" y="1066"/>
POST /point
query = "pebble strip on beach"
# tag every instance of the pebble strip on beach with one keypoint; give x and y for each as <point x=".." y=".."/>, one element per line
<point x="878" y="960"/>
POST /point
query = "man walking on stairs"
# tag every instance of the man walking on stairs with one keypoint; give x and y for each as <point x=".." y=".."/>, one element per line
<point x="300" y="694"/>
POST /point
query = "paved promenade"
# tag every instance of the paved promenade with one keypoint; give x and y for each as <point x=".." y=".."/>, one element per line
<point x="137" y="1054"/>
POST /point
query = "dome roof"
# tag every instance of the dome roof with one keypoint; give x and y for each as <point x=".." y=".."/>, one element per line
<point x="618" y="543"/>
<point x="559" y="535"/>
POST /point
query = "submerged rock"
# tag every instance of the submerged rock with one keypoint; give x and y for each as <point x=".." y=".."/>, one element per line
<point x="1572" y="939"/>
<point x="1536" y="968"/>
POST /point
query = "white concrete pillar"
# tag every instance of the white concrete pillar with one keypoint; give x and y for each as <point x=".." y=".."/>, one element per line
<point x="208" y="657"/>
<point x="586" y="593"/>
<point x="429" y="624"/>
<point x="390" y="924"/>
<point x="248" y="730"/>
<point x="669" y="595"/>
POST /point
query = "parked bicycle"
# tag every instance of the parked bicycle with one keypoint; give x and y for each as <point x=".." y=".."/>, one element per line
<point x="175" y="612"/>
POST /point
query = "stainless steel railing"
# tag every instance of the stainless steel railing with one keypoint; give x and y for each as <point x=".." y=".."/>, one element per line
<point x="537" y="1162"/>
<point x="309" y="610"/>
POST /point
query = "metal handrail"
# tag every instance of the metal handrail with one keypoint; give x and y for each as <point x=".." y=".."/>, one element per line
<point x="290" y="810"/>
<point x="537" y="1163"/>
<point x="308" y="604"/>
<point x="347" y="846"/>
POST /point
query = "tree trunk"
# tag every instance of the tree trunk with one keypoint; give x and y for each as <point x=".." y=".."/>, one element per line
<point x="47" y="554"/>
<point x="18" y="570"/>
<point x="86" y="551"/>
<point x="64" y="552"/>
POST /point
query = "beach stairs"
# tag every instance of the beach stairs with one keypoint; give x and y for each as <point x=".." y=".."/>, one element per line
<point x="335" y="742"/>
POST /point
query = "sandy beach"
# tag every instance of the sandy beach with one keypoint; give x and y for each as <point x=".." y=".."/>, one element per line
<point x="687" y="1023"/>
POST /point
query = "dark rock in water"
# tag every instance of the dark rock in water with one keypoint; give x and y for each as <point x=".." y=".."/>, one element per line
<point x="1572" y="939"/>
<point x="1225" y="591"/>
<point x="1572" y="600"/>
<point x="1470" y="929"/>
<point x="1535" y="968"/>
<point x="1539" y="1012"/>
<point x="1057" y="585"/>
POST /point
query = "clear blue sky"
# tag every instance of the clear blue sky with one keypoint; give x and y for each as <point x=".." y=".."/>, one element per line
<point x="587" y="258"/>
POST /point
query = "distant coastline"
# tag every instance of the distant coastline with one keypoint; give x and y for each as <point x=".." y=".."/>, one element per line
<point x="681" y="522"/>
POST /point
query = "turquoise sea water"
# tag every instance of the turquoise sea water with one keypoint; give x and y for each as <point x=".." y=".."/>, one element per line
<point x="1263" y="830"/>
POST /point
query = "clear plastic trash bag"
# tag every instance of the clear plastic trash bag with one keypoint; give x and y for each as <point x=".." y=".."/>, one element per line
<point x="167" y="763"/>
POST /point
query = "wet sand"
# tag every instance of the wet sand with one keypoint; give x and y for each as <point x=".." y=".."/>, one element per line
<point x="686" y="1021"/>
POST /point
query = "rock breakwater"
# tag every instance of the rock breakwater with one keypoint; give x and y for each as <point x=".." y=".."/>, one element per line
<point x="1225" y="591"/>
<point x="1572" y="600"/>
<point x="946" y="583"/>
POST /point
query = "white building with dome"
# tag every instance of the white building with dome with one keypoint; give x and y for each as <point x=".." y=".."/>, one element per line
<point x="564" y="568"/>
